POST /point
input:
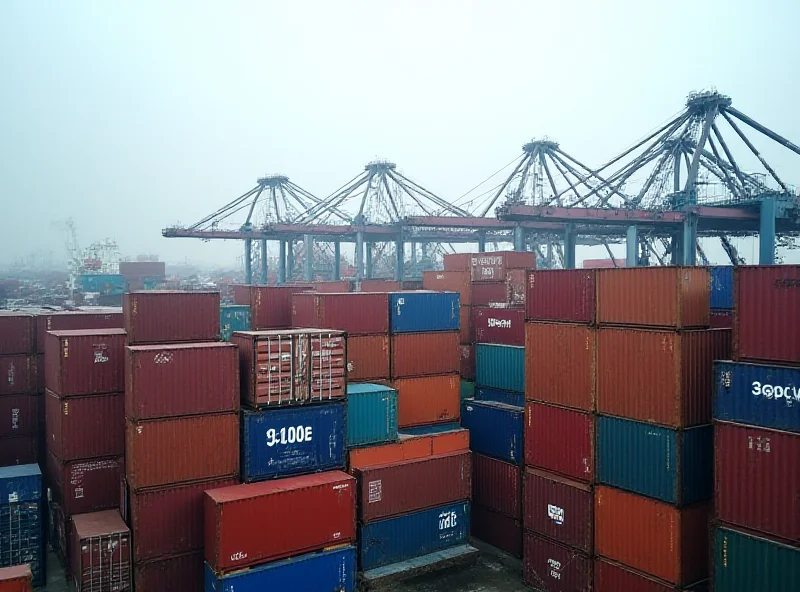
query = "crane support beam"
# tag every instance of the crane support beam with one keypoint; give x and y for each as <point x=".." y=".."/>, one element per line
<point x="570" y="242"/>
<point x="764" y="130"/>
<point x="399" y="251"/>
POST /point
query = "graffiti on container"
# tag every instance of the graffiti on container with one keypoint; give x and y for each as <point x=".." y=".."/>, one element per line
<point x="100" y="355"/>
<point x="790" y="394"/>
<point x="289" y="435"/>
<point x="375" y="491"/>
<point x="500" y="323"/>
<point x="555" y="568"/>
<point x="758" y="443"/>
<point x="238" y="556"/>
<point x="555" y="514"/>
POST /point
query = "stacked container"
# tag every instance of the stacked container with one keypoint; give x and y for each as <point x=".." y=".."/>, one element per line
<point x="22" y="520"/>
<point x="233" y="317"/>
<point x="270" y="307"/>
<point x="101" y="556"/>
<point x="721" y="296"/>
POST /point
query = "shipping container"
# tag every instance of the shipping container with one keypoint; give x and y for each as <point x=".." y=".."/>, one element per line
<point x="178" y="573"/>
<point x="22" y="531"/>
<point x="497" y="529"/>
<point x="17" y="334"/>
<point x="371" y="414"/>
<point x="550" y="566"/>
<point x="497" y="485"/>
<point x="721" y="287"/>
<point x="85" y="362"/>
<point x="19" y="415"/>
<point x="21" y="450"/>
<point x="430" y="429"/>
<point x="721" y="319"/>
<point x="745" y="563"/>
<point x="78" y="319"/>
<point x="16" y="579"/>
<point x="412" y="535"/>
<point x="181" y="379"/>
<point x="175" y="450"/>
<point x="467" y="365"/>
<point x="516" y="287"/>
<point x="292" y="441"/>
<point x="100" y="549"/>
<point x="565" y="295"/>
<point x="85" y="427"/>
<point x="610" y="576"/>
<point x="449" y="281"/>
<point x="270" y="306"/>
<point x="767" y="303"/>
<point x="512" y="398"/>
<point x="368" y="357"/>
<point x="17" y="375"/>
<point x="380" y="286"/>
<point x="492" y="267"/>
<point x="489" y="293"/>
<point x="505" y="326"/>
<point x="500" y="366"/>
<point x="670" y="297"/>
<point x="758" y="464"/>
<point x="657" y="538"/>
<point x="766" y="396"/>
<point x="559" y="508"/>
<point x="664" y="377"/>
<point x="332" y="570"/>
<point x="333" y="286"/>
<point x="356" y="314"/>
<point x="424" y="354"/>
<point x="418" y="312"/>
<point x="467" y="389"/>
<point x="495" y="429"/>
<point x="674" y="466"/>
<point x="466" y="330"/>
<point x="457" y="262"/>
<point x="39" y="372"/>
<point x="103" y="283"/>
<point x="573" y="456"/>
<point x="85" y="485"/>
<point x="409" y="447"/>
<point x="427" y="399"/>
<point x="237" y="517"/>
<point x="411" y="285"/>
<point x="21" y="483"/>
<point x="233" y="317"/>
<point x="171" y="317"/>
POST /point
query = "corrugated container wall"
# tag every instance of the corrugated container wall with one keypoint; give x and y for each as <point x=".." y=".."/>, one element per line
<point x="85" y="427"/>
<point x="17" y="334"/>
<point x="500" y="366"/>
<point x="492" y="267"/>
<point x="574" y="432"/>
<point x="17" y="375"/>
<point x="16" y="579"/>
<point x="179" y="573"/>
<point x="467" y="361"/>
<point x="516" y="288"/>
<point x="449" y="281"/>
<point x="409" y="447"/>
<point x="85" y="485"/>
<point x="556" y="567"/>
<point x="22" y="483"/>
<point x="610" y="576"/>
<point x="19" y="451"/>
<point x="371" y="414"/>
<point x="368" y="357"/>
<point x="497" y="529"/>
<point x="505" y="326"/>
<point x="744" y="563"/>
<point x="171" y="317"/>
<point x="270" y="306"/>
<point x="457" y="261"/>
<point x="416" y="312"/>
<point x="423" y="354"/>
<point x="497" y="485"/>
<point x="85" y="362"/>
<point x="721" y="287"/>
<point x="427" y="399"/>
<point x="495" y="429"/>
<point x="71" y="320"/>
<point x="488" y="293"/>
<point x="466" y="330"/>
<point x="19" y="415"/>
<point x="355" y="313"/>
<point x="100" y="552"/>
<point x="233" y="317"/>
<point x="512" y="398"/>
<point x="566" y="295"/>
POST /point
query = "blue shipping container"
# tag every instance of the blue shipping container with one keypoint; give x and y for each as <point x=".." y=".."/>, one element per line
<point x="430" y="429"/>
<point x="420" y="312"/>
<point x="495" y="429"/>
<point x="292" y="441"/>
<point x="483" y="393"/>
<point x="233" y="317"/>
<point x="104" y="283"/>
<point x="371" y="414"/>
<point x="674" y="466"/>
<point x="412" y="535"/>
<point x="766" y="396"/>
<point x="22" y="537"/>
<point x="721" y="287"/>
<point x="324" y="571"/>
<point x="500" y="367"/>
<point x="20" y="483"/>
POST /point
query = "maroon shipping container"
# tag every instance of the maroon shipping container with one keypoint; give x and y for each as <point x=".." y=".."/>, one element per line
<point x="553" y="567"/>
<point x="22" y="450"/>
<point x="516" y="287"/>
<point x="465" y="325"/>
<point x="100" y="549"/>
<point x="393" y="489"/>
<point x="19" y="415"/>
<point x="424" y="354"/>
<point x="85" y="427"/>
<point x="81" y="486"/>
<point x="176" y="450"/>
<point x="467" y="354"/>
<point x="171" y="316"/>
<point x="305" y="514"/>
<point x="169" y="520"/>
<point x="17" y="375"/>
<point x="17" y="334"/>
<point x="758" y="464"/>
<point x="85" y="361"/>
<point x="380" y="286"/>
<point x="17" y="578"/>
<point x="181" y="379"/>
<point x="560" y="440"/>
<point x="270" y="306"/>
<point x="449" y="281"/>
<point x="181" y="573"/>
<point x="333" y="286"/>
<point x="79" y="319"/>
<point x="497" y="529"/>
<point x="767" y="305"/>
<point x="505" y="326"/>
<point x="566" y="295"/>
<point x="356" y="313"/>
<point x="368" y="357"/>
<point x="497" y="485"/>
<point x="721" y="319"/>
<point x="492" y="267"/>
<point x="39" y="371"/>
<point x="559" y="508"/>
<point x="610" y="576"/>
<point x="457" y="262"/>
<point x="486" y="293"/>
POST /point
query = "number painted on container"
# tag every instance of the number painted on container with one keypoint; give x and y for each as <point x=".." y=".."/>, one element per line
<point x="789" y="394"/>
<point x="290" y="435"/>
<point x="447" y="520"/>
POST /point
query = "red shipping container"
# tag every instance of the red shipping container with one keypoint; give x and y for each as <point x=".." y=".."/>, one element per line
<point x="497" y="529"/>
<point x="23" y="450"/>
<point x="561" y="364"/>
<point x="758" y="464"/>
<point x="721" y="319"/>
<point x="465" y="325"/>
<point x="82" y="486"/>
<point x="19" y="415"/>
<point x="565" y="295"/>
<point x="663" y="377"/>
<point x="409" y="447"/>
<point x="181" y="379"/>
<point x="380" y="286"/>
<point x="85" y="427"/>
<point x="560" y="440"/>
<point x="333" y="287"/>
<point x="85" y="361"/>
<point x="100" y="549"/>
<point x="181" y="573"/>
<point x="505" y="326"/>
<point x="497" y="485"/>
<point x="270" y="306"/>
<point x="171" y="317"/>
<point x="516" y="287"/>
<point x="457" y="262"/>
<point x="72" y="320"/>
<point x="670" y="543"/>
<point x="486" y="293"/>
<point x="17" y="335"/>
<point x="767" y="304"/>
<point x="368" y="357"/>
<point x="39" y="372"/>
<point x="357" y="313"/>
<point x="614" y="577"/>
<point x="168" y="520"/>
<point x="409" y="486"/>
<point x="17" y="578"/>
<point x="177" y="450"/>
<point x="424" y="354"/>
<point x="492" y="267"/>
<point x="306" y="513"/>
<point x="559" y="508"/>
<point x="467" y="367"/>
<point x="553" y="567"/>
<point x="428" y="399"/>
<point x="17" y="375"/>
<point x="449" y="281"/>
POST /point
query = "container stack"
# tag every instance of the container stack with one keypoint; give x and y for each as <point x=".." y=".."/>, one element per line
<point x="233" y="317"/>
<point x="22" y="523"/>
<point x="757" y="433"/>
<point x="101" y="552"/>
<point x="721" y="296"/>
<point x="18" y="578"/>
<point x="270" y="306"/>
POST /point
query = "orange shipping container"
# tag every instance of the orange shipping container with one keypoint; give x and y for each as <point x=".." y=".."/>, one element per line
<point x="449" y="281"/>
<point x="428" y="399"/>
<point x="656" y="538"/>
<point x="368" y="357"/>
<point x="675" y="297"/>
<point x="423" y="354"/>
<point x="409" y="448"/>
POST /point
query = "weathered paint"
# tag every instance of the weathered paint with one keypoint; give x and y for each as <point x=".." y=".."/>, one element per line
<point x="573" y="431"/>
<point x="417" y="312"/>
<point x="721" y="287"/>
<point x="233" y="317"/>
<point x="500" y="366"/>
<point x="495" y="429"/>
<point x="745" y="563"/>
<point x="371" y="414"/>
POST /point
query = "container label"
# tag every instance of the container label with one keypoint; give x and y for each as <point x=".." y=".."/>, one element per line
<point x="15" y="419"/>
<point x="238" y="556"/>
<point x="759" y="443"/>
<point x="448" y="519"/>
<point x="789" y="394"/>
<point x="13" y="498"/>
<point x="500" y="323"/>
<point x="555" y="514"/>
<point x="163" y="358"/>
<point x="375" y="491"/>
<point x="11" y="374"/>
<point x="400" y="302"/>
<point x="555" y="568"/>
<point x="100" y="354"/>
<point x="290" y="435"/>
<point x="78" y="492"/>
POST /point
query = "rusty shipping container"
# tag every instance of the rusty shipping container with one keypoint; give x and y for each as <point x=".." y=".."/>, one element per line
<point x="497" y="529"/>
<point x="457" y="262"/>
<point x="85" y="485"/>
<point x="181" y="379"/>
<point x="85" y="362"/>
<point x="550" y="566"/>
<point x="561" y="364"/>
<point x="669" y="543"/>
<point x="560" y="440"/>
<point x="663" y="377"/>
<point x="85" y="427"/>
<point x="467" y="365"/>
<point x="516" y="288"/>
<point x="758" y="464"/>
<point x="237" y="517"/>
<point x="409" y="447"/>
<point x="368" y="357"/>
<point x="767" y="304"/>
<point x="17" y="578"/>
<point x="669" y="297"/>
<point x="380" y="286"/>
<point x="424" y="354"/>
<point x="492" y="267"/>
<point x="270" y="306"/>
<point x="79" y="319"/>
<point x="449" y="281"/>
<point x="721" y="319"/>
<point x="497" y="485"/>
<point x="100" y="552"/>
<point x="17" y="333"/>
<point x="178" y="573"/>
<point x="19" y="415"/>
<point x="465" y="327"/>
<point x="171" y="317"/>
<point x="182" y="449"/>
<point x="17" y="375"/>
<point x="563" y="295"/>
<point x="333" y="287"/>
<point x="356" y="313"/>
<point x="427" y="399"/>
<point x="610" y="576"/>
<point x="505" y="326"/>
<point x="488" y="293"/>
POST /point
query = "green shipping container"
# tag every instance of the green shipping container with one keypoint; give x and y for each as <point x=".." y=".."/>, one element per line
<point x="371" y="414"/>
<point x="745" y="563"/>
<point x="500" y="366"/>
<point x="467" y="389"/>
<point x="233" y="317"/>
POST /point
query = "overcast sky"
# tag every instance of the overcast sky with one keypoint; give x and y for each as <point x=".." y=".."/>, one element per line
<point x="132" y="116"/>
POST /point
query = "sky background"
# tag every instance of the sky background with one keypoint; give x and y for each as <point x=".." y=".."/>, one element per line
<point x="133" y="116"/>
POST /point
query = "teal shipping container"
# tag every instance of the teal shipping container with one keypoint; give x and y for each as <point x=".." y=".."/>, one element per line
<point x="233" y="317"/>
<point x="371" y="414"/>
<point x="104" y="283"/>
<point x="467" y="389"/>
<point x="500" y="366"/>
<point x="674" y="466"/>
<point x="745" y="563"/>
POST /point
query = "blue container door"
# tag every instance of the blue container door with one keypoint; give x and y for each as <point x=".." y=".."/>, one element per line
<point x="507" y="397"/>
<point x="721" y="287"/>
<point x="417" y="312"/>
<point x="494" y="429"/>
<point x="22" y="537"/>
<point x="292" y="441"/>
<point x="412" y="535"/>
<point x="20" y="483"/>
<point x="500" y="367"/>
<point x="371" y="414"/>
